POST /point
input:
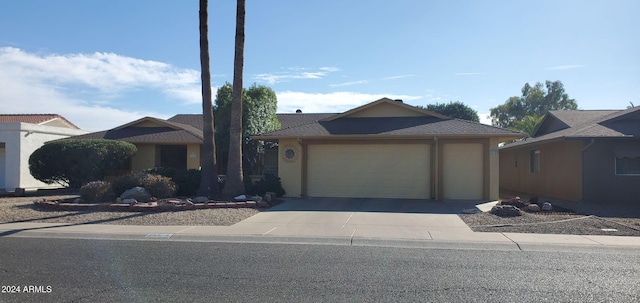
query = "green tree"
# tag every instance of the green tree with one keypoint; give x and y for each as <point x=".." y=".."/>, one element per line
<point x="209" y="173"/>
<point x="535" y="101"/>
<point x="259" y="116"/>
<point x="234" y="184"/>
<point x="528" y="124"/>
<point x="74" y="162"/>
<point x="455" y="110"/>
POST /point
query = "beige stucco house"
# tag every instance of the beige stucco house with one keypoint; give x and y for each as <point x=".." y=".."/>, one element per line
<point x="20" y="136"/>
<point x="175" y="142"/>
<point x="388" y="149"/>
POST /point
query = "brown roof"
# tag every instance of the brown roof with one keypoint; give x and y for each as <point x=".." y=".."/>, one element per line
<point x="166" y="132"/>
<point x="37" y="119"/>
<point x="582" y="124"/>
<point x="145" y="135"/>
<point x="425" y="126"/>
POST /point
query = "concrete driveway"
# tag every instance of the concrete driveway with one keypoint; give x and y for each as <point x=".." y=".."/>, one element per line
<point x="364" y="218"/>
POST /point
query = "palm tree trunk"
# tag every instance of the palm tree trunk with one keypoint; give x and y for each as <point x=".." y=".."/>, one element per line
<point x="234" y="184"/>
<point x="209" y="175"/>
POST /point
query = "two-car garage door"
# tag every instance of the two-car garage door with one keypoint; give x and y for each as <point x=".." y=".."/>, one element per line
<point x="369" y="170"/>
<point x="393" y="171"/>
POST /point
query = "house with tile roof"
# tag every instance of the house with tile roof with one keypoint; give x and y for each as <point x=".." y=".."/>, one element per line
<point x="388" y="149"/>
<point x="20" y="136"/>
<point x="577" y="155"/>
<point x="384" y="149"/>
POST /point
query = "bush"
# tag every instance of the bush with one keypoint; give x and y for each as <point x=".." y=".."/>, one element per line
<point x="74" y="162"/>
<point x="157" y="185"/>
<point x="269" y="183"/>
<point x="96" y="191"/>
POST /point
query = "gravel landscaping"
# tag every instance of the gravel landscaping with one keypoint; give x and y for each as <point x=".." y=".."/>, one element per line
<point x="22" y="209"/>
<point x="559" y="221"/>
<point x="563" y="221"/>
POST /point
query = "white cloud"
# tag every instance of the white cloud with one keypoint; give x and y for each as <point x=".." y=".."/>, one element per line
<point x="398" y="77"/>
<point x="467" y="74"/>
<point x="294" y="73"/>
<point x="335" y="102"/>
<point x="562" y="67"/>
<point x="34" y="83"/>
<point x="485" y="118"/>
<point x="349" y="83"/>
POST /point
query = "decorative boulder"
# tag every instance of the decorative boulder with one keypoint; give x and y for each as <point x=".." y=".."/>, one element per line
<point x="533" y="208"/>
<point x="129" y="201"/>
<point x="506" y="211"/>
<point x="546" y="206"/>
<point x="240" y="198"/>
<point x="139" y="193"/>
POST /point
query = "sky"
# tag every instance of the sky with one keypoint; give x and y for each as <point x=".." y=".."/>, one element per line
<point x="101" y="64"/>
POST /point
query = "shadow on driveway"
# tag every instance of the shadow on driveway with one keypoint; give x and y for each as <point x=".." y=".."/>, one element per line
<point x="374" y="205"/>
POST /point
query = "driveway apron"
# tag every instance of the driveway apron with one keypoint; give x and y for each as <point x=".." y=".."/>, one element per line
<point x="360" y="218"/>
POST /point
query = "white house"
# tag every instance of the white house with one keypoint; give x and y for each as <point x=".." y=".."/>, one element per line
<point x="20" y="136"/>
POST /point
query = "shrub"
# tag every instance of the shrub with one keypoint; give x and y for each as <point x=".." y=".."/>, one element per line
<point x="96" y="191"/>
<point x="74" y="162"/>
<point x="122" y="183"/>
<point x="157" y="185"/>
<point x="269" y="183"/>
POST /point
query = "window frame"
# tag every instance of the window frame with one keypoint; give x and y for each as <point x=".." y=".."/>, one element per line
<point x="534" y="166"/>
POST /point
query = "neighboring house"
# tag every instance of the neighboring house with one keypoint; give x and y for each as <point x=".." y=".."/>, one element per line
<point x="387" y="149"/>
<point x="20" y="136"/>
<point x="577" y="155"/>
<point x="173" y="143"/>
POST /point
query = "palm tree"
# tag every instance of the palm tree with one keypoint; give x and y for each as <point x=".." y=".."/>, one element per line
<point x="234" y="184"/>
<point x="209" y="175"/>
<point x="528" y="124"/>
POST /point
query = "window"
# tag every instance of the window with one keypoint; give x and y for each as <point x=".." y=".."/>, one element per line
<point x="627" y="165"/>
<point x="534" y="161"/>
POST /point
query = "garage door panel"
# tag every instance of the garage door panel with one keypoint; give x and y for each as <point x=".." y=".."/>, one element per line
<point x="463" y="171"/>
<point x="371" y="170"/>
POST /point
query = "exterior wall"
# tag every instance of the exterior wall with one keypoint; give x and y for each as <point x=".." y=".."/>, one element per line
<point x="193" y="156"/>
<point x="21" y="140"/>
<point x="385" y="110"/>
<point x="599" y="178"/>
<point x="494" y="169"/>
<point x="290" y="171"/>
<point x="144" y="158"/>
<point x="560" y="173"/>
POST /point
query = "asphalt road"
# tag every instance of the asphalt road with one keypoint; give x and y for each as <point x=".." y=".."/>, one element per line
<point x="77" y="270"/>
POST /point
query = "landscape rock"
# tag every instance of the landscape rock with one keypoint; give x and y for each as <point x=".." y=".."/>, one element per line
<point x="129" y="201"/>
<point x="139" y="193"/>
<point x="240" y="198"/>
<point x="533" y="208"/>
<point x="78" y="200"/>
<point x="506" y="211"/>
<point x="546" y="206"/>
<point x="200" y="199"/>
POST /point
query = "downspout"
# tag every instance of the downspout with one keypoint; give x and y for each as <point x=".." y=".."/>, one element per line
<point x="588" y="145"/>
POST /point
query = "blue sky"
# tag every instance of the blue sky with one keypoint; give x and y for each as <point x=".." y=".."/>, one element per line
<point x="105" y="63"/>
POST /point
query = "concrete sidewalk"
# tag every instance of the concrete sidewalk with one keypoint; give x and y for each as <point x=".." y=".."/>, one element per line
<point x="358" y="222"/>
